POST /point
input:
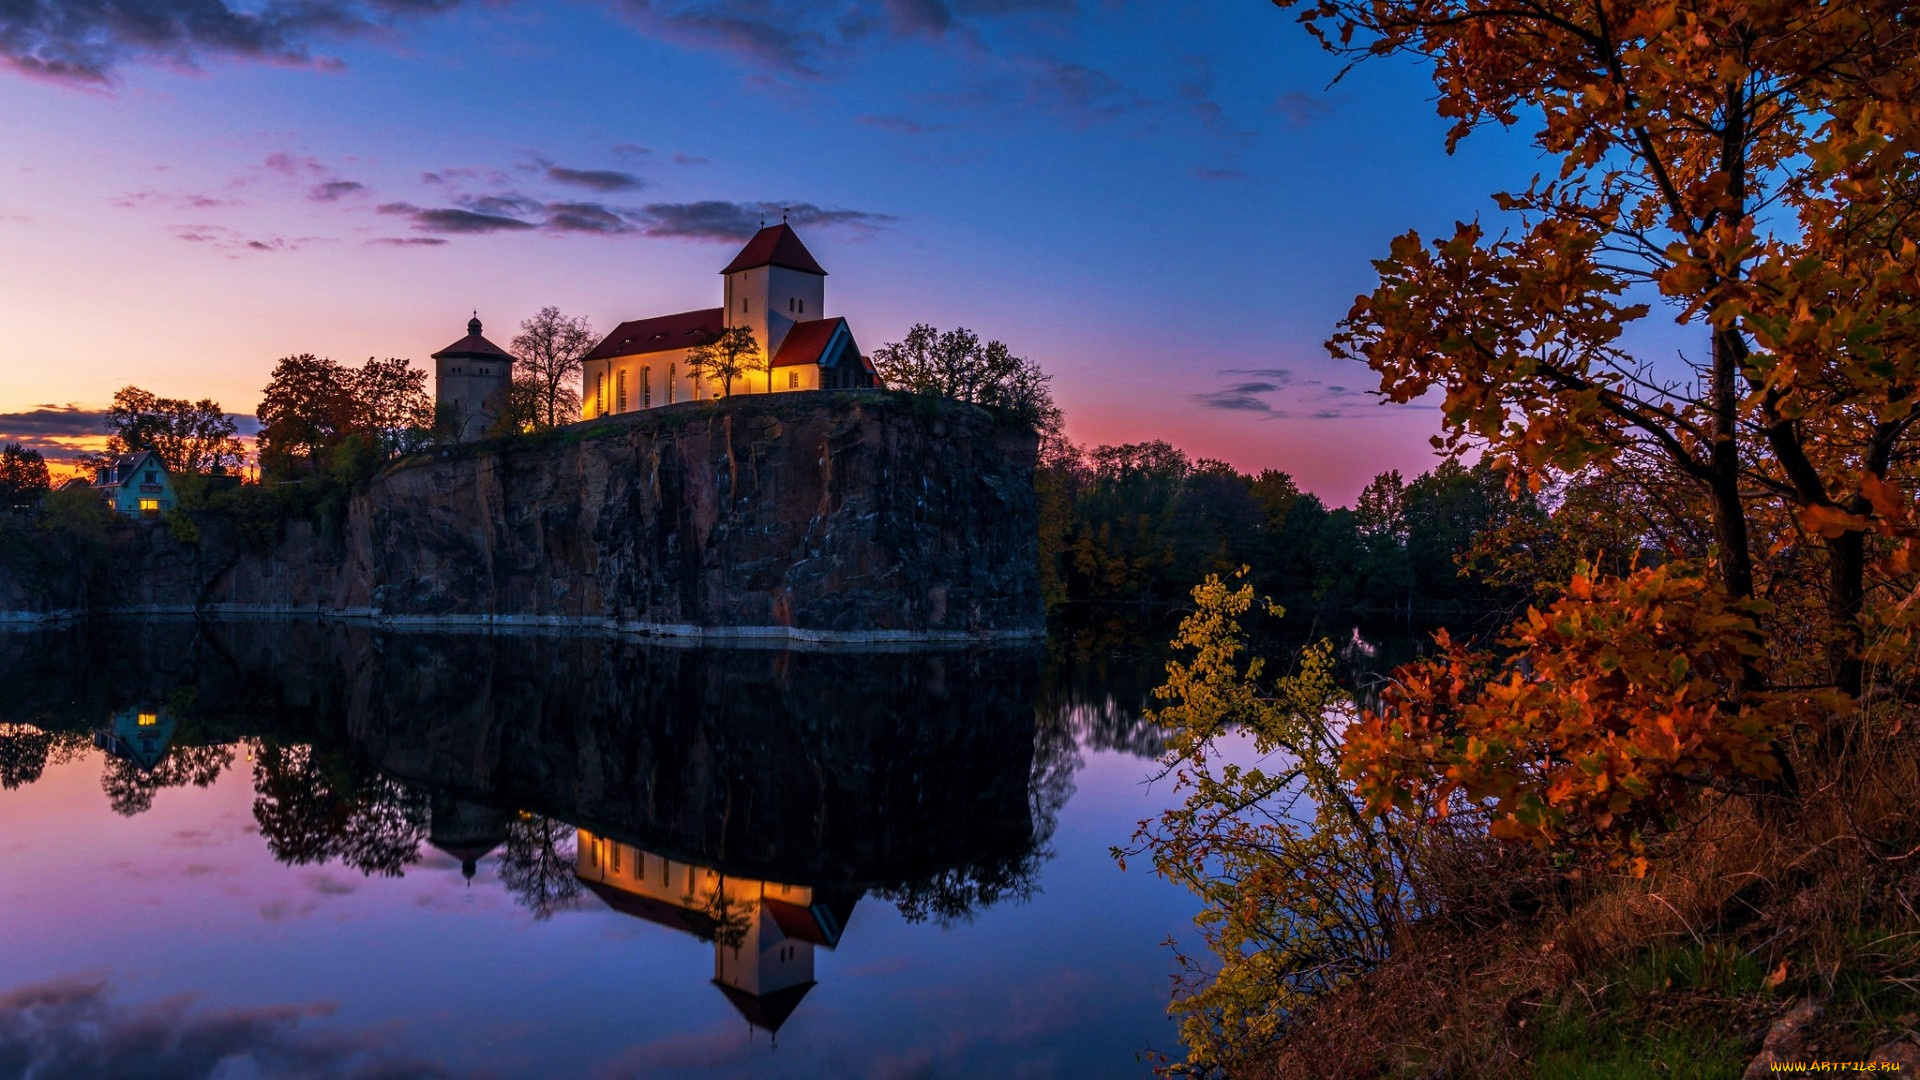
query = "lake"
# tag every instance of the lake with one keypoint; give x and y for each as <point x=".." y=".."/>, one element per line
<point x="319" y="850"/>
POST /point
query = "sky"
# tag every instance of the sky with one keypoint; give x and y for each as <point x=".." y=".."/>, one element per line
<point x="1167" y="205"/>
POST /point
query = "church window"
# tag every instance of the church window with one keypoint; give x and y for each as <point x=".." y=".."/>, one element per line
<point x="670" y="368"/>
<point x="803" y="307"/>
<point x="793" y="380"/>
<point x="620" y="392"/>
<point x="646" y="387"/>
<point x="743" y="304"/>
<point x="599" y="393"/>
<point x="613" y="862"/>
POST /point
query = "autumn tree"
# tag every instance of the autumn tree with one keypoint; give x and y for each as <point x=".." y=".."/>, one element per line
<point x="312" y="406"/>
<point x="1750" y="169"/>
<point x="189" y="436"/>
<point x="724" y="359"/>
<point x="391" y="403"/>
<point x="547" y="354"/>
<point x="24" y="479"/>
<point x="306" y="407"/>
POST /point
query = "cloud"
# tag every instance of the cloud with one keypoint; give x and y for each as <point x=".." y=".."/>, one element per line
<point x="86" y="41"/>
<point x="716" y="220"/>
<point x="1239" y="398"/>
<point x="902" y="125"/>
<point x="1196" y="96"/>
<point x="586" y="217"/>
<point x="452" y="220"/>
<point x="597" y="179"/>
<point x="335" y="190"/>
<point x="1252" y="390"/>
<point x="688" y="159"/>
<point x="135" y="200"/>
<point x="235" y="243"/>
<point x="295" y="164"/>
<point x="71" y="1028"/>
<point x="764" y="32"/>
<point x="408" y="241"/>
<point x="1299" y="109"/>
<point x="57" y="431"/>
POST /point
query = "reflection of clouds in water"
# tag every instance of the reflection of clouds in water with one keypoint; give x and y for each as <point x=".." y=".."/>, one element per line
<point x="71" y="1028"/>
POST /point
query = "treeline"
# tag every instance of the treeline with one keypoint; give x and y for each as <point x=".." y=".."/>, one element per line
<point x="1141" y="522"/>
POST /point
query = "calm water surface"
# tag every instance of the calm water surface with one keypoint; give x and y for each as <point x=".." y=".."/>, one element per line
<point x="266" y="850"/>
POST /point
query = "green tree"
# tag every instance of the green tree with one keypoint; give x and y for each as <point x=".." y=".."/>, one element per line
<point x="958" y="365"/>
<point x="728" y="357"/>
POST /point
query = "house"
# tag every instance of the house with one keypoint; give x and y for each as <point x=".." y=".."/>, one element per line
<point x="138" y="735"/>
<point x="137" y="485"/>
<point x="775" y="288"/>
<point x="764" y="933"/>
<point x="470" y="381"/>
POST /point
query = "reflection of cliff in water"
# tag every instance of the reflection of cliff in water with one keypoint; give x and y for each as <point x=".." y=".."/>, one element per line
<point x="768" y="791"/>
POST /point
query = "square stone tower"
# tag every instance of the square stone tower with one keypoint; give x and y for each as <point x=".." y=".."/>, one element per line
<point x="470" y="380"/>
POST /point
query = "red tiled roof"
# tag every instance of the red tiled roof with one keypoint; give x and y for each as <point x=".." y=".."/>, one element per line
<point x="658" y="334"/>
<point x="767" y="1012"/>
<point x="668" y="915"/>
<point x="799" y="923"/>
<point x="806" y="341"/>
<point x="775" y="245"/>
<point x="473" y="346"/>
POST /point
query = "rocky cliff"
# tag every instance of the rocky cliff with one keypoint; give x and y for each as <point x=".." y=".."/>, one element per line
<point x="845" y="515"/>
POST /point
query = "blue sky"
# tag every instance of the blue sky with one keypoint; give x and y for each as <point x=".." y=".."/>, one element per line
<point x="1164" y="204"/>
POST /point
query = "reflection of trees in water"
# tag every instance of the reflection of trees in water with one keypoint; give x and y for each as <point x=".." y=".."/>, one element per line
<point x="957" y="894"/>
<point x="26" y="751"/>
<point x="130" y="788"/>
<point x="536" y="864"/>
<point x="313" y="807"/>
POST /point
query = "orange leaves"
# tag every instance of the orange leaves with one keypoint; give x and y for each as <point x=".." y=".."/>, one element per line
<point x="1613" y="708"/>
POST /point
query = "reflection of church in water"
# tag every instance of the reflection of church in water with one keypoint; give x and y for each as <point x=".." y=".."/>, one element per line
<point x="763" y="932"/>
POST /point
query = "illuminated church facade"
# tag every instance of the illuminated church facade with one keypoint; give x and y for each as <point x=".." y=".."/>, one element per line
<point x="773" y="287"/>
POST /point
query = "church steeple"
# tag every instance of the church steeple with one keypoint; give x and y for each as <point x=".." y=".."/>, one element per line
<point x="774" y="283"/>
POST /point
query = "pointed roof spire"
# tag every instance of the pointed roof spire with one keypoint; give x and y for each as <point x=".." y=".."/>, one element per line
<point x="775" y="245"/>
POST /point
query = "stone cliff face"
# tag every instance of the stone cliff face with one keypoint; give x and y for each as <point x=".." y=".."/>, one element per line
<point x="833" y="515"/>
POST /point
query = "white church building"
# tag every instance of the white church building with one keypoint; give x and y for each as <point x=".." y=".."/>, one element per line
<point x="775" y="288"/>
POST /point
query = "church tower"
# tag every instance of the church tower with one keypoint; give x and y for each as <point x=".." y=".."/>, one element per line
<point x="772" y="285"/>
<point x="470" y="379"/>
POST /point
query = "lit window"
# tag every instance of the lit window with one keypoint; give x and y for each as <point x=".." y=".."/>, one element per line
<point x="620" y="394"/>
<point x="793" y="380"/>
<point x="613" y="861"/>
<point x="670" y="374"/>
<point x="148" y="719"/>
<point x="646" y="387"/>
<point x="600" y="393"/>
<point x="149" y="506"/>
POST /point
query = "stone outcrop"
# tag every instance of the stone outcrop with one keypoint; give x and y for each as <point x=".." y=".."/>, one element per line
<point x="832" y="516"/>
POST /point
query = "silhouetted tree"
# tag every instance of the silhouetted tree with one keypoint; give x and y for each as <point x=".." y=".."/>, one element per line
<point x="724" y="359"/>
<point x="24" y="480"/>
<point x="547" y="354"/>
<point x="189" y="436"/>
<point x="537" y="864"/>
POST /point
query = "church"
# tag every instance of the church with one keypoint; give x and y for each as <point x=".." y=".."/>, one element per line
<point x="775" y="288"/>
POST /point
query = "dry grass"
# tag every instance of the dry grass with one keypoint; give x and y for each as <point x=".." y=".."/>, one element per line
<point x="1757" y="904"/>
